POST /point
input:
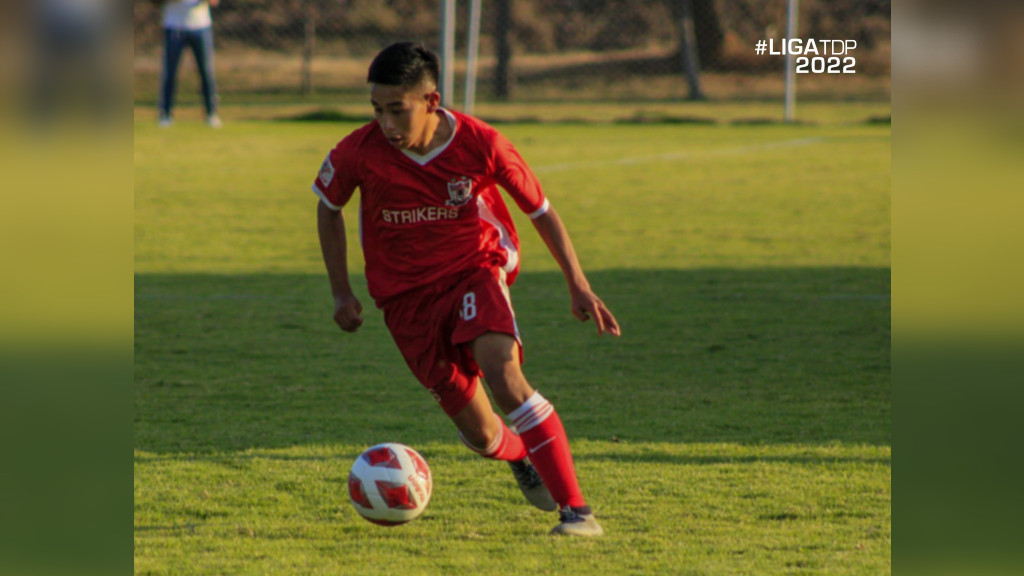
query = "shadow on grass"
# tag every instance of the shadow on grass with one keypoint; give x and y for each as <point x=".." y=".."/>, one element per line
<point x="628" y="455"/>
<point x="767" y="356"/>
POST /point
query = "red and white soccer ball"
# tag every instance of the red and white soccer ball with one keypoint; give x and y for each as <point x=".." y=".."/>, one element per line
<point x="390" y="484"/>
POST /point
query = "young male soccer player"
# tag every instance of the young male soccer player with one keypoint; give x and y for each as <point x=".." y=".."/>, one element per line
<point x="441" y="252"/>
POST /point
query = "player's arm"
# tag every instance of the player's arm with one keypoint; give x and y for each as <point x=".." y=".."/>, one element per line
<point x="331" y="226"/>
<point x="585" y="304"/>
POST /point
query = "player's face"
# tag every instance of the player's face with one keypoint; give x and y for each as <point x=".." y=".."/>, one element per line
<point x="404" y="113"/>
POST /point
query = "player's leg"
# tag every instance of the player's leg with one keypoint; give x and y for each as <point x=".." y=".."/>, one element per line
<point x="539" y="426"/>
<point x="485" y="433"/>
<point x="534" y="417"/>
<point x="174" y="43"/>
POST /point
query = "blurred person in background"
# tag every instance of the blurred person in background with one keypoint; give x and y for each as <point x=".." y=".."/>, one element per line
<point x="73" y="59"/>
<point x="188" y="23"/>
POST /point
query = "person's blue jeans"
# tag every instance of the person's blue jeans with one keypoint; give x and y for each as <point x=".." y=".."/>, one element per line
<point x="201" y="43"/>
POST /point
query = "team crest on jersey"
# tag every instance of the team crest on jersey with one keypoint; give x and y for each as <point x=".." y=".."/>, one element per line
<point x="327" y="172"/>
<point x="460" y="191"/>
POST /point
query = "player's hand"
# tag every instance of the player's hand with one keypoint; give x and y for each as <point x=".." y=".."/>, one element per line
<point x="347" y="310"/>
<point x="586" y="305"/>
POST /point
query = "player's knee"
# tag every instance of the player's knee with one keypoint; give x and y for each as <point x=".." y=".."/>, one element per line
<point x="477" y="440"/>
<point x="477" y="424"/>
<point x="478" y="435"/>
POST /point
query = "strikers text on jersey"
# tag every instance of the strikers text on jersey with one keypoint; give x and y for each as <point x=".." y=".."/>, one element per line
<point x="424" y="214"/>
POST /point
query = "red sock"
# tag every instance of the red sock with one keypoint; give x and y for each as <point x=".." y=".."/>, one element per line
<point x="541" y="430"/>
<point x="507" y="445"/>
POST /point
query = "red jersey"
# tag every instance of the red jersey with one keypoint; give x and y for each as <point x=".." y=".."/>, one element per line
<point x="422" y="218"/>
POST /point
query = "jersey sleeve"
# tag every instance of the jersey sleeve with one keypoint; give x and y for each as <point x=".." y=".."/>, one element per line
<point x="513" y="174"/>
<point x="338" y="177"/>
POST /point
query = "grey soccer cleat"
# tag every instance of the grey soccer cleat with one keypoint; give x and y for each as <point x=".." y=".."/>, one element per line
<point x="532" y="485"/>
<point x="576" y="524"/>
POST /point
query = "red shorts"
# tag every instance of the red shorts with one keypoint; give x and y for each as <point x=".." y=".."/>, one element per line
<point x="433" y="325"/>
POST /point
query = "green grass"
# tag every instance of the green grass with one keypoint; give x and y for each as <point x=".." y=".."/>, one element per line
<point x="742" y="425"/>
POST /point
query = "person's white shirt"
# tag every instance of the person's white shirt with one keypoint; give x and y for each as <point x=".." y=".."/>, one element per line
<point x="187" y="15"/>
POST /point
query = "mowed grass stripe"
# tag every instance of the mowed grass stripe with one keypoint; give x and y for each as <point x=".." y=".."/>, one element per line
<point x="671" y="156"/>
<point x="238" y="200"/>
<point x="707" y="508"/>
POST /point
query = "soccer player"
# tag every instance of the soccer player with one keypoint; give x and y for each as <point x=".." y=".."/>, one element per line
<point x="441" y="251"/>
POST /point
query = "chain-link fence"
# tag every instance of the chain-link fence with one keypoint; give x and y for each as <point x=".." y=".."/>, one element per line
<point x="532" y="50"/>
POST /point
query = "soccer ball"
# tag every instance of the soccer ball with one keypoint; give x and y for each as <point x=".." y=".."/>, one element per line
<point x="390" y="484"/>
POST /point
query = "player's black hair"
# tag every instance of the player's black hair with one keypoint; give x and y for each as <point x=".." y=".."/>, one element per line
<point x="405" y="64"/>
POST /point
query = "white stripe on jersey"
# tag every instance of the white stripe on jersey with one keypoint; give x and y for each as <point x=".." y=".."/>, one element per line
<point x="503" y="238"/>
<point x="508" y="299"/>
<point x="323" y="197"/>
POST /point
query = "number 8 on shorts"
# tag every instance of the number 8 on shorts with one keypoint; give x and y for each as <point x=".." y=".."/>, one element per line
<point x="468" y="306"/>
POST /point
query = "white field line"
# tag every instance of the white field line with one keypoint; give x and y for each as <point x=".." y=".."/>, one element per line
<point x="676" y="156"/>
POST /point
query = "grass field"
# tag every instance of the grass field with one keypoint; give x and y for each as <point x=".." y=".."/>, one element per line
<point x="742" y="424"/>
